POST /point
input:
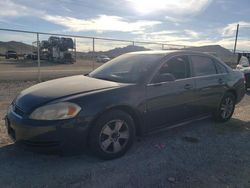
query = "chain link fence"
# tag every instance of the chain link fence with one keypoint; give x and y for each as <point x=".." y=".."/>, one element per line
<point x="26" y="55"/>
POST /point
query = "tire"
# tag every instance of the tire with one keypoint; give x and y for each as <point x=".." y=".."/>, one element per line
<point x="112" y="135"/>
<point x="226" y="108"/>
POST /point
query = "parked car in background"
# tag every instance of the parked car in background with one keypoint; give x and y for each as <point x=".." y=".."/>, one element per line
<point x="11" y="54"/>
<point x="131" y="95"/>
<point x="244" y="67"/>
<point x="102" y="59"/>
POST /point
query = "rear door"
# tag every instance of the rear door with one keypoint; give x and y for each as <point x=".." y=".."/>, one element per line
<point x="167" y="101"/>
<point x="209" y="83"/>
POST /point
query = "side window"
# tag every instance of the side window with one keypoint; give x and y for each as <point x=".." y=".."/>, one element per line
<point x="203" y="66"/>
<point x="177" y="66"/>
<point x="220" y="68"/>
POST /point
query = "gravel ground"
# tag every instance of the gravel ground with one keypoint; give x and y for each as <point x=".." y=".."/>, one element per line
<point x="201" y="154"/>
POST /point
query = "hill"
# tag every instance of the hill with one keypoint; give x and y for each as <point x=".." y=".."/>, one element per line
<point x="22" y="48"/>
<point x="217" y="50"/>
<point x="119" y="51"/>
<point x="19" y="47"/>
<point x="113" y="52"/>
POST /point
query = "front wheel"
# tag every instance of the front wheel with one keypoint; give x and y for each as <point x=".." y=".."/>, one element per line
<point x="112" y="135"/>
<point x="226" y="108"/>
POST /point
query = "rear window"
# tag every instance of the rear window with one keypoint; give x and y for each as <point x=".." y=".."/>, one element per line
<point x="203" y="66"/>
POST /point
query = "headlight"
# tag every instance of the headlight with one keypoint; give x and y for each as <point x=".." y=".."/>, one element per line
<point x="62" y="110"/>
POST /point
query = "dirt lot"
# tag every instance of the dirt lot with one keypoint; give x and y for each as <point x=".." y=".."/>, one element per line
<point x="27" y="69"/>
<point x="201" y="154"/>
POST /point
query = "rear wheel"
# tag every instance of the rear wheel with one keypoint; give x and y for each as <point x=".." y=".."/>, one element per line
<point x="226" y="108"/>
<point x="112" y="135"/>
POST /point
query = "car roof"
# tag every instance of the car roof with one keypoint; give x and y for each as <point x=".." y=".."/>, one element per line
<point x="176" y="52"/>
<point x="167" y="52"/>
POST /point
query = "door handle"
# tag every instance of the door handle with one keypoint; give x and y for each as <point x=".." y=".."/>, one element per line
<point x="157" y="84"/>
<point x="188" y="86"/>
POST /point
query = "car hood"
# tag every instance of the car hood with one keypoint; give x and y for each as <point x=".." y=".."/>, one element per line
<point x="45" y="92"/>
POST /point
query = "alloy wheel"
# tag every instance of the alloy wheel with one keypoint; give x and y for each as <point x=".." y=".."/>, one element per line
<point x="227" y="107"/>
<point x="114" y="136"/>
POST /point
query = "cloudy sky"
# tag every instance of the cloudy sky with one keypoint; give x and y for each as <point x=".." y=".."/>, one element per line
<point x="187" y="22"/>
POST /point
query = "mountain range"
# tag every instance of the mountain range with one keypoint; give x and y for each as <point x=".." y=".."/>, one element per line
<point x="217" y="50"/>
<point x="19" y="47"/>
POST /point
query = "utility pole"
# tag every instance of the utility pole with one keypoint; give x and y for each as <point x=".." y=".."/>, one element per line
<point x="236" y="38"/>
<point x="75" y="48"/>
<point x="93" y="50"/>
<point x="38" y="57"/>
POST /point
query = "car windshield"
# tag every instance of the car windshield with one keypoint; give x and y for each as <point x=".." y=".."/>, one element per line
<point x="128" y="68"/>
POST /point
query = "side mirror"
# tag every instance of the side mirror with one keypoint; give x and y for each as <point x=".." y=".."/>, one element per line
<point x="166" y="77"/>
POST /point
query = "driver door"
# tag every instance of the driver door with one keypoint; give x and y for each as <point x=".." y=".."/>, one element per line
<point x="168" y="101"/>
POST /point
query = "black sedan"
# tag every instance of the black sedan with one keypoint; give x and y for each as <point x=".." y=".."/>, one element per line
<point x="131" y="95"/>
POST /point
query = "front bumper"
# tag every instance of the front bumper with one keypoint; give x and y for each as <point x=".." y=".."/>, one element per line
<point x="59" y="135"/>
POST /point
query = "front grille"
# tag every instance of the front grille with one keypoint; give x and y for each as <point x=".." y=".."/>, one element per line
<point x="18" y="110"/>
